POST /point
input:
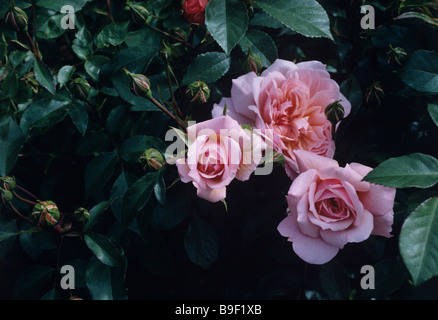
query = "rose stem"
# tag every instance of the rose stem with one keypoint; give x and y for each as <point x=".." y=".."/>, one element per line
<point x="18" y="212"/>
<point x="161" y="107"/>
<point x="24" y="200"/>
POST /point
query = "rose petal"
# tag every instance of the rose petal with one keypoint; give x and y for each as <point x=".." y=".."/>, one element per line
<point x="307" y="160"/>
<point x="383" y="224"/>
<point x="360" y="232"/>
<point x="311" y="250"/>
<point x="212" y="195"/>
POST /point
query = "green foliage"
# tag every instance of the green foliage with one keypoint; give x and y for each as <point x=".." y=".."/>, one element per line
<point x="82" y="149"/>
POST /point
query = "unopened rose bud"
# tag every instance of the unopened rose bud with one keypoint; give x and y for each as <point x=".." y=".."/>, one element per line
<point x="140" y="85"/>
<point x="81" y="215"/>
<point x="80" y="88"/>
<point x="46" y="213"/>
<point x="8" y="183"/>
<point x="396" y="55"/>
<point x="334" y="112"/>
<point x="16" y="19"/>
<point x="138" y="11"/>
<point x="153" y="158"/>
<point x="198" y="91"/>
<point x="374" y="94"/>
<point x="6" y="196"/>
<point x="253" y="63"/>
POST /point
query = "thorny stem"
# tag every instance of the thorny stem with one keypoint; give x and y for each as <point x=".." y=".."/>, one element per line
<point x="110" y="15"/>
<point x="32" y="44"/>
<point x="29" y="193"/>
<point x="164" y="33"/>
<point x="172" y="116"/>
<point x="18" y="212"/>
<point x="169" y="81"/>
<point x="25" y="200"/>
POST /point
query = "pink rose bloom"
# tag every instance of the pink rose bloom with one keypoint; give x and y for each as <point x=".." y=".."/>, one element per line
<point x="290" y="100"/>
<point x="330" y="206"/>
<point x="219" y="151"/>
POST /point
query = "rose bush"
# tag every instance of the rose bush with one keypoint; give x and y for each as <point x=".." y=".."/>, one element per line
<point x="330" y="206"/>
<point x="292" y="120"/>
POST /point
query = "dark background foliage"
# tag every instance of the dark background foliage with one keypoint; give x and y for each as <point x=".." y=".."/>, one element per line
<point x="189" y="248"/>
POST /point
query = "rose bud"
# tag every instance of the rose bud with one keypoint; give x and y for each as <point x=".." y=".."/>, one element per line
<point x="81" y="215"/>
<point x="139" y="13"/>
<point x="374" y="93"/>
<point x="198" y="91"/>
<point x="80" y="88"/>
<point x="46" y="212"/>
<point x="9" y="183"/>
<point x="397" y="55"/>
<point x="153" y="158"/>
<point x="194" y="11"/>
<point x="334" y="113"/>
<point x="253" y="63"/>
<point x="16" y="19"/>
<point x="141" y="86"/>
<point x="6" y="196"/>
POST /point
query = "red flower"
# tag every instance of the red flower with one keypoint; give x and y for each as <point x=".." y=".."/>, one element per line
<point x="194" y="11"/>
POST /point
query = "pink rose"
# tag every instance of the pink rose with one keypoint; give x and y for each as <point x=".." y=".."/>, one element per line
<point x="220" y="150"/>
<point x="330" y="206"/>
<point x="194" y="11"/>
<point x="290" y="100"/>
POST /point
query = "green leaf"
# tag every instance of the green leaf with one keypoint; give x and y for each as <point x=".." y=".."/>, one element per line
<point x="160" y="188"/>
<point x="121" y="185"/>
<point x="421" y="71"/>
<point x="44" y="76"/>
<point x="93" y="65"/>
<point x="83" y="43"/>
<point x="56" y="5"/>
<point x="137" y="196"/>
<point x="227" y="21"/>
<point x="31" y="281"/>
<point x="48" y="25"/>
<point x="201" y="243"/>
<point x="307" y="17"/>
<point x="170" y="215"/>
<point x="419" y="241"/>
<point x="133" y="147"/>
<point x="334" y="281"/>
<point x="42" y="113"/>
<point x="64" y="74"/>
<point x="413" y="170"/>
<point x="52" y="294"/>
<point x="208" y="67"/>
<point x="10" y="85"/>
<point x="11" y="142"/>
<point x="95" y="213"/>
<point x="104" y="282"/>
<point x="99" y="171"/>
<point x="8" y="233"/>
<point x="261" y="44"/>
<point x="433" y="112"/>
<point x="112" y="34"/>
<point x="92" y="142"/>
<point x="79" y="116"/>
<point x="105" y="250"/>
